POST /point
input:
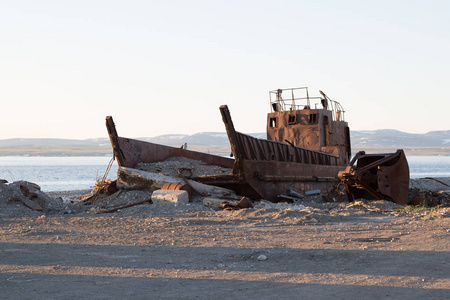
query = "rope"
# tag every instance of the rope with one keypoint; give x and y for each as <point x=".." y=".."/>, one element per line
<point x="429" y="178"/>
<point x="108" y="169"/>
<point x="102" y="182"/>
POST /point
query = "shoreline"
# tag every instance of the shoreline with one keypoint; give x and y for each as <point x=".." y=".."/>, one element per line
<point x="217" y="150"/>
<point x="413" y="181"/>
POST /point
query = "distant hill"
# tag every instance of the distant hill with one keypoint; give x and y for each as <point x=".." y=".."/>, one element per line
<point x="55" y="147"/>
<point x="218" y="139"/>
<point x="389" y="137"/>
<point x="431" y="143"/>
<point x="384" y="140"/>
<point x="44" y="142"/>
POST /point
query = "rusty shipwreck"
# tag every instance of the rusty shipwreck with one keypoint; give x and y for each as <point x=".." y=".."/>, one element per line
<point x="307" y="145"/>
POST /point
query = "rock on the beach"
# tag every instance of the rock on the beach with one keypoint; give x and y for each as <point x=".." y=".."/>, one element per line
<point x="28" y="193"/>
<point x="262" y="257"/>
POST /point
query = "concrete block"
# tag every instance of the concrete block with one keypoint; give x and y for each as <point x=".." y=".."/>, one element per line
<point x="170" y="196"/>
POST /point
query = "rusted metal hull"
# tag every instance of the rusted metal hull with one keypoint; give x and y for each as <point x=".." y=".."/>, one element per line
<point x="261" y="170"/>
<point x="271" y="168"/>
<point x="130" y="152"/>
<point x="377" y="176"/>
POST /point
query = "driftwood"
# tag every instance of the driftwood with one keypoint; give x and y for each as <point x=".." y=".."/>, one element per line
<point x="129" y="178"/>
<point x="211" y="190"/>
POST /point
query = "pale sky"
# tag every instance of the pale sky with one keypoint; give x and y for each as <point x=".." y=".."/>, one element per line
<point x="161" y="67"/>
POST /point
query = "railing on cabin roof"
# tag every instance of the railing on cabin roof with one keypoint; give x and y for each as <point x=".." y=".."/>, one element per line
<point x="292" y="102"/>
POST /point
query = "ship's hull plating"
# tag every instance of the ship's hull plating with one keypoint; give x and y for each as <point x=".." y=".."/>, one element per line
<point x="255" y="178"/>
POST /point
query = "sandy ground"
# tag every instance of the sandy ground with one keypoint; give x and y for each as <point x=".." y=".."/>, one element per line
<point x="313" y="250"/>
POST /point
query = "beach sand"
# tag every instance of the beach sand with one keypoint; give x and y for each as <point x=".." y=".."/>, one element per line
<point x="311" y="250"/>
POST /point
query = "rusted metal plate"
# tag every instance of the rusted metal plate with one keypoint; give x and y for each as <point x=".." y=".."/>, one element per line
<point x="394" y="180"/>
<point x="271" y="178"/>
<point x="130" y="152"/>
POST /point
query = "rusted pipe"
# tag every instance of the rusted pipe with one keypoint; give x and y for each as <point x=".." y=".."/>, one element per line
<point x="124" y="206"/>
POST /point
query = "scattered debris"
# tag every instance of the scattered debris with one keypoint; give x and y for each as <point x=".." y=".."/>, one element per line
<point x="295" y="194"/>
<point x="429" y="191"/>
<point x="102" y="187"/>
<point x="287" y="199"/>
<point x="142" y="188"/>
<point x="429" y="198"/>
<point x="123" y="206"/>
<point x="216" y="202"/>
<point x="312" y="193"/>
<point x="243" y="203"/>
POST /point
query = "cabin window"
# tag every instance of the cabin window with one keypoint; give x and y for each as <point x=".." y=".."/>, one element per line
<point x="312" y="119"/>
<point x="326" y="132"/>
<point x="348" y="147"/>
<point x="276" y="107"/>
<point x="292" y="119"/>
<point x="273" y="122"/>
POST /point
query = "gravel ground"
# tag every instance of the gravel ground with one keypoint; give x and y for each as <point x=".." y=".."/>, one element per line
<point x="309" y="250"/>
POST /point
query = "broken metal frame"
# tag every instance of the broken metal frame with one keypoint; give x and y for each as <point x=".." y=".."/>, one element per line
<point x="382" y="176"/>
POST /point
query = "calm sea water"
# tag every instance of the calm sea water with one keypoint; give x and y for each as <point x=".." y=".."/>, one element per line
<point x="76" y="173"/>
<point x="57" y="173"/>
<point x="429" y="166"/>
